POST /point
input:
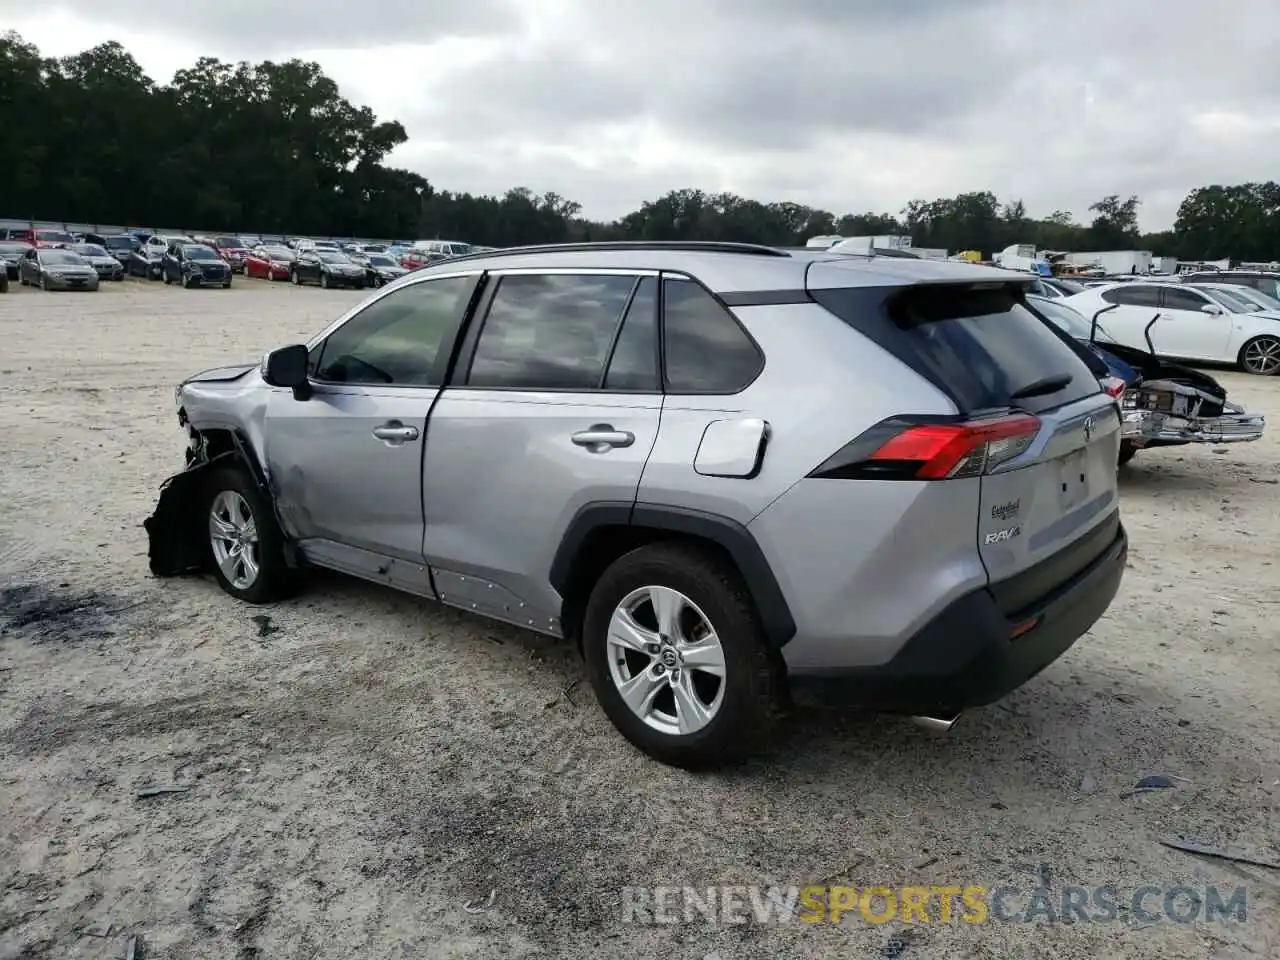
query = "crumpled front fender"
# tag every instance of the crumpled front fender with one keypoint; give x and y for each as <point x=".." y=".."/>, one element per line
<point x="176" y="544"/>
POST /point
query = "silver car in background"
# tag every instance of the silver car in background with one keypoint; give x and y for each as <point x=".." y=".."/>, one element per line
<point x="55" y="268"/>
<point x="731" y="474"/>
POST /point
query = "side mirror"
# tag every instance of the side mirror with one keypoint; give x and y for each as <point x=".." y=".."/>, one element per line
<point x="1211" y="308"/>
<point x="287" y="367"/>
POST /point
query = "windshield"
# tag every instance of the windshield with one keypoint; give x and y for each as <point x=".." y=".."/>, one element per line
<point x="279" y="253"/>
<point x="459" y="249"/>
<point x="378" y="260"/>
<point x="331" y="256"/>
<point x="121" y="243"/>
<point x="1264" y="301"/>
<point x="64" y="257"/>
<point x="230" y="243"/>
<point x="374" y="248"/>
<point x="1068" y="320"/>
<point x="195" y="252"/>
<point x="14" y="249"/>
<point x="54" y="236"/>
<point x="90" y="250"/>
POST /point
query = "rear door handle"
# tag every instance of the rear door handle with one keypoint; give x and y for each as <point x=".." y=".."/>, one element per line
<point x="602" y="436"/>
<point x="395" y="432"/>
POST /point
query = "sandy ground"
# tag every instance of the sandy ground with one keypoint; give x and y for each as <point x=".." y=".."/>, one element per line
<point x="359" y="765"/>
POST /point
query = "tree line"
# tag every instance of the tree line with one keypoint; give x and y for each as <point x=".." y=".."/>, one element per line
<point x="275" y="148"/>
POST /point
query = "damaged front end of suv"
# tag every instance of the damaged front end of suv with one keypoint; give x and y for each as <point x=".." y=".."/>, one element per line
<point x="1172" y="404"/>
<point x="211" y="408"/>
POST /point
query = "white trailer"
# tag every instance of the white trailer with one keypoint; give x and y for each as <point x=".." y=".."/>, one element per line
<point x="1114" y="262"/>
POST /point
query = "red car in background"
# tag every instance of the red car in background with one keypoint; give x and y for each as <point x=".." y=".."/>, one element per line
<point x="417" y="259"/>
<point x="232" y="250"/>
<point x="43" y="238"/>
<point x="269" y="262"/>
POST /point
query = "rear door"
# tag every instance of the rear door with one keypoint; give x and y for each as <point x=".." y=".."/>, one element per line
<point x="1136" y="305"/>
<point x="555" y="404"/>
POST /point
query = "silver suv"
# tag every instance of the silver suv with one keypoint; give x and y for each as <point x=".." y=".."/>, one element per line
<point x="730" y="473"/>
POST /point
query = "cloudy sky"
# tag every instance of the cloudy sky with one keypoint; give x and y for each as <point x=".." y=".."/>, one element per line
<point x="849" y="105"/>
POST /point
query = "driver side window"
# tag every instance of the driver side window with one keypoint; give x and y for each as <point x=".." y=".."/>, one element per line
<point x="396" y="340"/>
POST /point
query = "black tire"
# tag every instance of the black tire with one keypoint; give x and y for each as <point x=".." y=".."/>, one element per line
<point x="1260" y="364"/>
<point x="1128" y="450"/>
<point x="753" y="695"/>
<point x="324" y="280"/>
<point x="276" y="579"/>
<point x="227" y="285"/>
<point x="294" y="278"/>
<point x="22" y="280"/>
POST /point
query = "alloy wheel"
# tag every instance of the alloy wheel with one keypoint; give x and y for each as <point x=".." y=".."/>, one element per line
<point x="1262" y="356"/>
<point x="666" y="660"/>
<point x="233" y="535"/>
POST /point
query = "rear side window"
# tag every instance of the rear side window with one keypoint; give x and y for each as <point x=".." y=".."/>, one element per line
<point x="1133" y="296"/>
<point x="549" y="331"/>
<point x="1176" y="299"/>
<point x="705" y="349"/>
<point x="634" y="363"/>
<point x="978" y="346"/>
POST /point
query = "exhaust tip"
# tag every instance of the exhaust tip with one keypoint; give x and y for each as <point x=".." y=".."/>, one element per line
<point x="936" y="724"/>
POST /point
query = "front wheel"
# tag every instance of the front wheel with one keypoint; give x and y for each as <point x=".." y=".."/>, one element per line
<point x="1128" y="450"/>
<point x="678" y="659"/>
<point x="324" y="280"/>
<point x="294" y="278"/>
<point x="245" y="544"/>
<point x="1261" y="356"/>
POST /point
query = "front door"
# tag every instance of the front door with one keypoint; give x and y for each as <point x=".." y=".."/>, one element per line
<point x="345" y="463"/>
<point x="556" y="405"/>
<point x="1186" y="330"/>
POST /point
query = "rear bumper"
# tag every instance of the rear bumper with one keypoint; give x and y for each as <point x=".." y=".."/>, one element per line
<point x="1144" y="427"/>
<point x="968" y="655"/>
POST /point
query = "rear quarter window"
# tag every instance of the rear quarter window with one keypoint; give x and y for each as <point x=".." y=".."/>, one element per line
<point x="978" y="346"/>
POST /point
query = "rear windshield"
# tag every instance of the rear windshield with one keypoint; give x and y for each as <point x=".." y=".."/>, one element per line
<point x="979" y="346"/>
<point x="121" y="243"/>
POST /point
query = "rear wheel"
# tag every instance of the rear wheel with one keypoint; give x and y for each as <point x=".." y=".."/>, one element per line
<point x="1261" y="356"/>
<point x="678" y="659"/>
<point x="245" y="543"/>
<point x="1128" y="450"/>
<point x="294" y="278"/>
<point x="324" y="280"/>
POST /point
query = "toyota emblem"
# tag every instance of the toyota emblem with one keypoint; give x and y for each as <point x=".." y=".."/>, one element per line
<point x="1088" y="429"/>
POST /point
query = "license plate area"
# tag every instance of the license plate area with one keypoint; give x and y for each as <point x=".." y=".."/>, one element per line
<point x="1073" y="479"/>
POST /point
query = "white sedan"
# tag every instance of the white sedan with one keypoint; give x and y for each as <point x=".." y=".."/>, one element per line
<point x="1190" y="323"/>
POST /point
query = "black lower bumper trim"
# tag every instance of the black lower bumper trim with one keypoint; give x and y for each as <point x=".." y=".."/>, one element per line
<point x="967" y="655"/>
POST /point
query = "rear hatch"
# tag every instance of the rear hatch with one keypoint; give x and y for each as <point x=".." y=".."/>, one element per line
<point x="1047" y="465"/>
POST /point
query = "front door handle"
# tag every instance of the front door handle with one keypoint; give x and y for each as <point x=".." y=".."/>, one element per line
<point x="395" y="432"/>
<point x="602" y="436"/>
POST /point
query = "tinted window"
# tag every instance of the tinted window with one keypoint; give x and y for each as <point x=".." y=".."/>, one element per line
<point x="634" y="365"/>
<point x="549" y="332"/>
<point x="1176" y="299"/>
<point x="1133" y="295"/>
<point x="705" y="349"/>
<point x="397" y="338"/>
<point x="977" y="346"/>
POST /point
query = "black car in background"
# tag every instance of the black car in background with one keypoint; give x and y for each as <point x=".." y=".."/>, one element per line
<point x="195" y="265"/>
<point x="147" y="259"/>
<point x="118" y="245"/>
<point x="327" y="268"/>
<point x="379" y="269"/>
<point x="107" y="266"/>
<point x="11" y="252"/>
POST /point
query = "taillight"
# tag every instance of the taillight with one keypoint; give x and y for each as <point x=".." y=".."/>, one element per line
<point x="1113" y="386"/>
<point x="903" y="449"/>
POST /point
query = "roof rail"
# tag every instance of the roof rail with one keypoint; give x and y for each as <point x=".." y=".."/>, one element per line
<point x="684" y="246"/>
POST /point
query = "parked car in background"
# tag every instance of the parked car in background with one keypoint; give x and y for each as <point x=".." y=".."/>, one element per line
<point x="1191" y="324"/>
<point x="147" y="261"/>
<point x="1265" y="281"/>
<point x="379" y="268"/>
<point x="1055" y="287"/>
<point x="195" y="265"/>
<point x="417" y="259"/>
<point x="328" y="268"/>
<point x="41" y="237"/>
<point x="107" y="266"/>
<point x="11" y="254"/>
<point x="233" y="250"/>
<point x="269" y="262"/>
<point x="1163" y="404"/>
<point x="447" y="248"/>
<point x="119" y="245"/>
<point x="57" y="268"/>
<point x="922" y="535"/>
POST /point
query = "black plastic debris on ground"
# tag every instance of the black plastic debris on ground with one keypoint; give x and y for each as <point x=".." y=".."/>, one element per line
<point x="265" y="627"/>
<point x="57" y="615"/>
